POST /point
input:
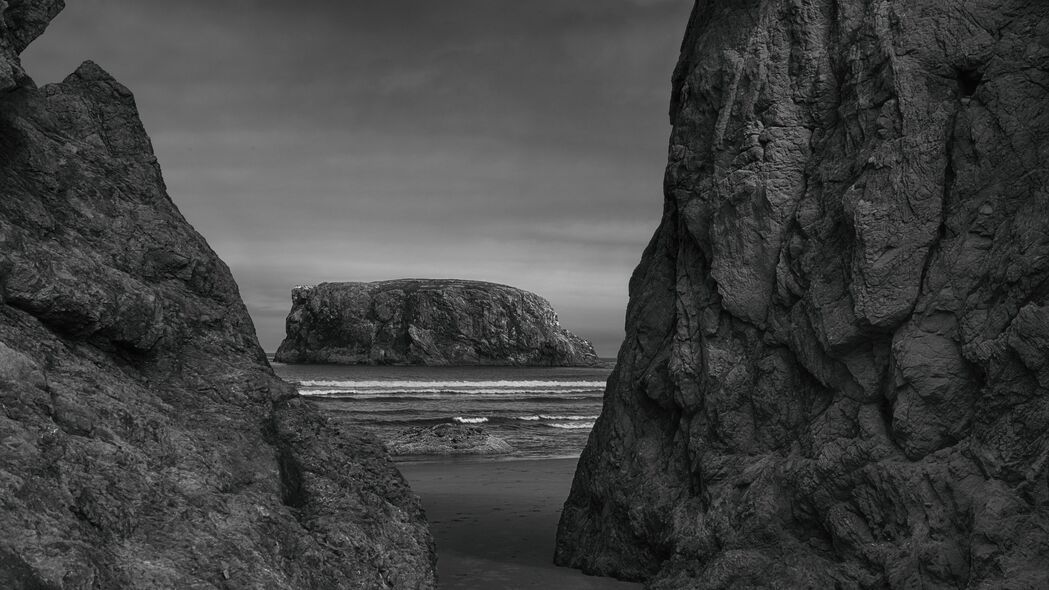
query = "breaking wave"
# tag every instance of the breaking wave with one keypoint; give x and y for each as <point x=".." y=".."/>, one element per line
<point x="571" y="425"/>
<point x="449" y="385"/>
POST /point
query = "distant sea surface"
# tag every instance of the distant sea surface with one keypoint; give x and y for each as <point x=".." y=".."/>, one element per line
<point x="540" y="411"/>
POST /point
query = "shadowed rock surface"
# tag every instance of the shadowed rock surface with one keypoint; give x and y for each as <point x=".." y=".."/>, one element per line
<point x="427" y="322"/>
<point x="836" y="371"/>
<point x="448" y="439"/>
<point x="145" y="441"/>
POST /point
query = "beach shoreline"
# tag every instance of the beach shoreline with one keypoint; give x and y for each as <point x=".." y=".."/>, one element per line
<point x="494" y="521"/>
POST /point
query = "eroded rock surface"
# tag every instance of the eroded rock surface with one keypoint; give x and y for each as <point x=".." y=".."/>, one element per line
<point x="145" y="441"/>
<point x="836" y="372"/>
<point x="427" y="322"/>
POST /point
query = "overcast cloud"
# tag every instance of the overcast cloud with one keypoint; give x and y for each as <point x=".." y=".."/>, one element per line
<point x="514" y="142"/>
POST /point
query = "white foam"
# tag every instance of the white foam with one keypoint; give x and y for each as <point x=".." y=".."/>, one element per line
<point x="445" y="385"/>
<point x="450" y="391"/>
<point x="445" y="394"/>
<point x="572" y="425"/>
<point x="545" y="417"/>
<point x="462" y="420"/>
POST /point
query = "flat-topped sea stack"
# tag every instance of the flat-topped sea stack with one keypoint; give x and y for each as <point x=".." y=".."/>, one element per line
<point x="427" y="322"/>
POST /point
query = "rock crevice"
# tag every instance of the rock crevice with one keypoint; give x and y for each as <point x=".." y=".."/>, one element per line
<point x="834" y="371"/>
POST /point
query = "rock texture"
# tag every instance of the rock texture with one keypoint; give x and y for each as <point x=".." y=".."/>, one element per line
<point x="448" y="439"/>
<point x="145" y="441"/>
<point x="836" y="372"/>
<point x="427" y="322"/>
<point x="21" y="21"/>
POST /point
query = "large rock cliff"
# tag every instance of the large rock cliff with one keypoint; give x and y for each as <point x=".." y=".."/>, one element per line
<point x="145" y="441"/>
<point x="427" y="322"/>
<point x="836" y="372"/>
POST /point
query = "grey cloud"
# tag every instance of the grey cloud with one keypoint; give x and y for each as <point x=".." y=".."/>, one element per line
<point x="521" y="143"/>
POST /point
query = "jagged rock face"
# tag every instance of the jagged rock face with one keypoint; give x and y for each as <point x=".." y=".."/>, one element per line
<point x="427" y="322"/>
<point x="837" y="363"/>
<point x="146" y="442"/>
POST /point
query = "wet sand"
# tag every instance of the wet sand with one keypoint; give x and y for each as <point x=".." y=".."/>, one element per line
<point x="495" y="522"/>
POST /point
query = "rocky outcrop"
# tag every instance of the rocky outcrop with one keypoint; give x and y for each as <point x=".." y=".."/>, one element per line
<point x="21" y="21"/>
<point x="427" y="322"/>
<point x="146" y="442"/>
<point x="448" y="439"/>
<point x="836" y="372"/>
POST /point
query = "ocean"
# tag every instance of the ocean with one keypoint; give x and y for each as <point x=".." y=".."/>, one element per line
<point x="540" y="411"/>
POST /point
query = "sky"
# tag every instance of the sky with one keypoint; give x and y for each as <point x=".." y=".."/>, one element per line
<point x="521" y="143"/>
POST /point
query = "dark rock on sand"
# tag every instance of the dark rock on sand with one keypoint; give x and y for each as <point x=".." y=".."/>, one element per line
<point x="448" y="439"/>
<point x="836" y="372"/>
<point x="427" y="322"/>
<point x="146" y="442"/>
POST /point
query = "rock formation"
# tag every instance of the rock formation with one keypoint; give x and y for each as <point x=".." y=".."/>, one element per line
<point x="836" y="372"/>
<point x="427" y="322"/>
<point x="146" y="442"/>
<point x="448" y="439"/>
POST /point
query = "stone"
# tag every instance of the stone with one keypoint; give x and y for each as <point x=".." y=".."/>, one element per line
<point x="835" y="372"/>
<point x="448" y="439"/>
<point x="427" y="322"/>
<point x="146" y="441"/>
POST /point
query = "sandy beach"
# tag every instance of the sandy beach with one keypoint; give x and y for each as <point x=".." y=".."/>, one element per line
<point x="495" y="522"/>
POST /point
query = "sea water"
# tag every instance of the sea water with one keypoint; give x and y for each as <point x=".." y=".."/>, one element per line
<point x="539" y="411"/>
